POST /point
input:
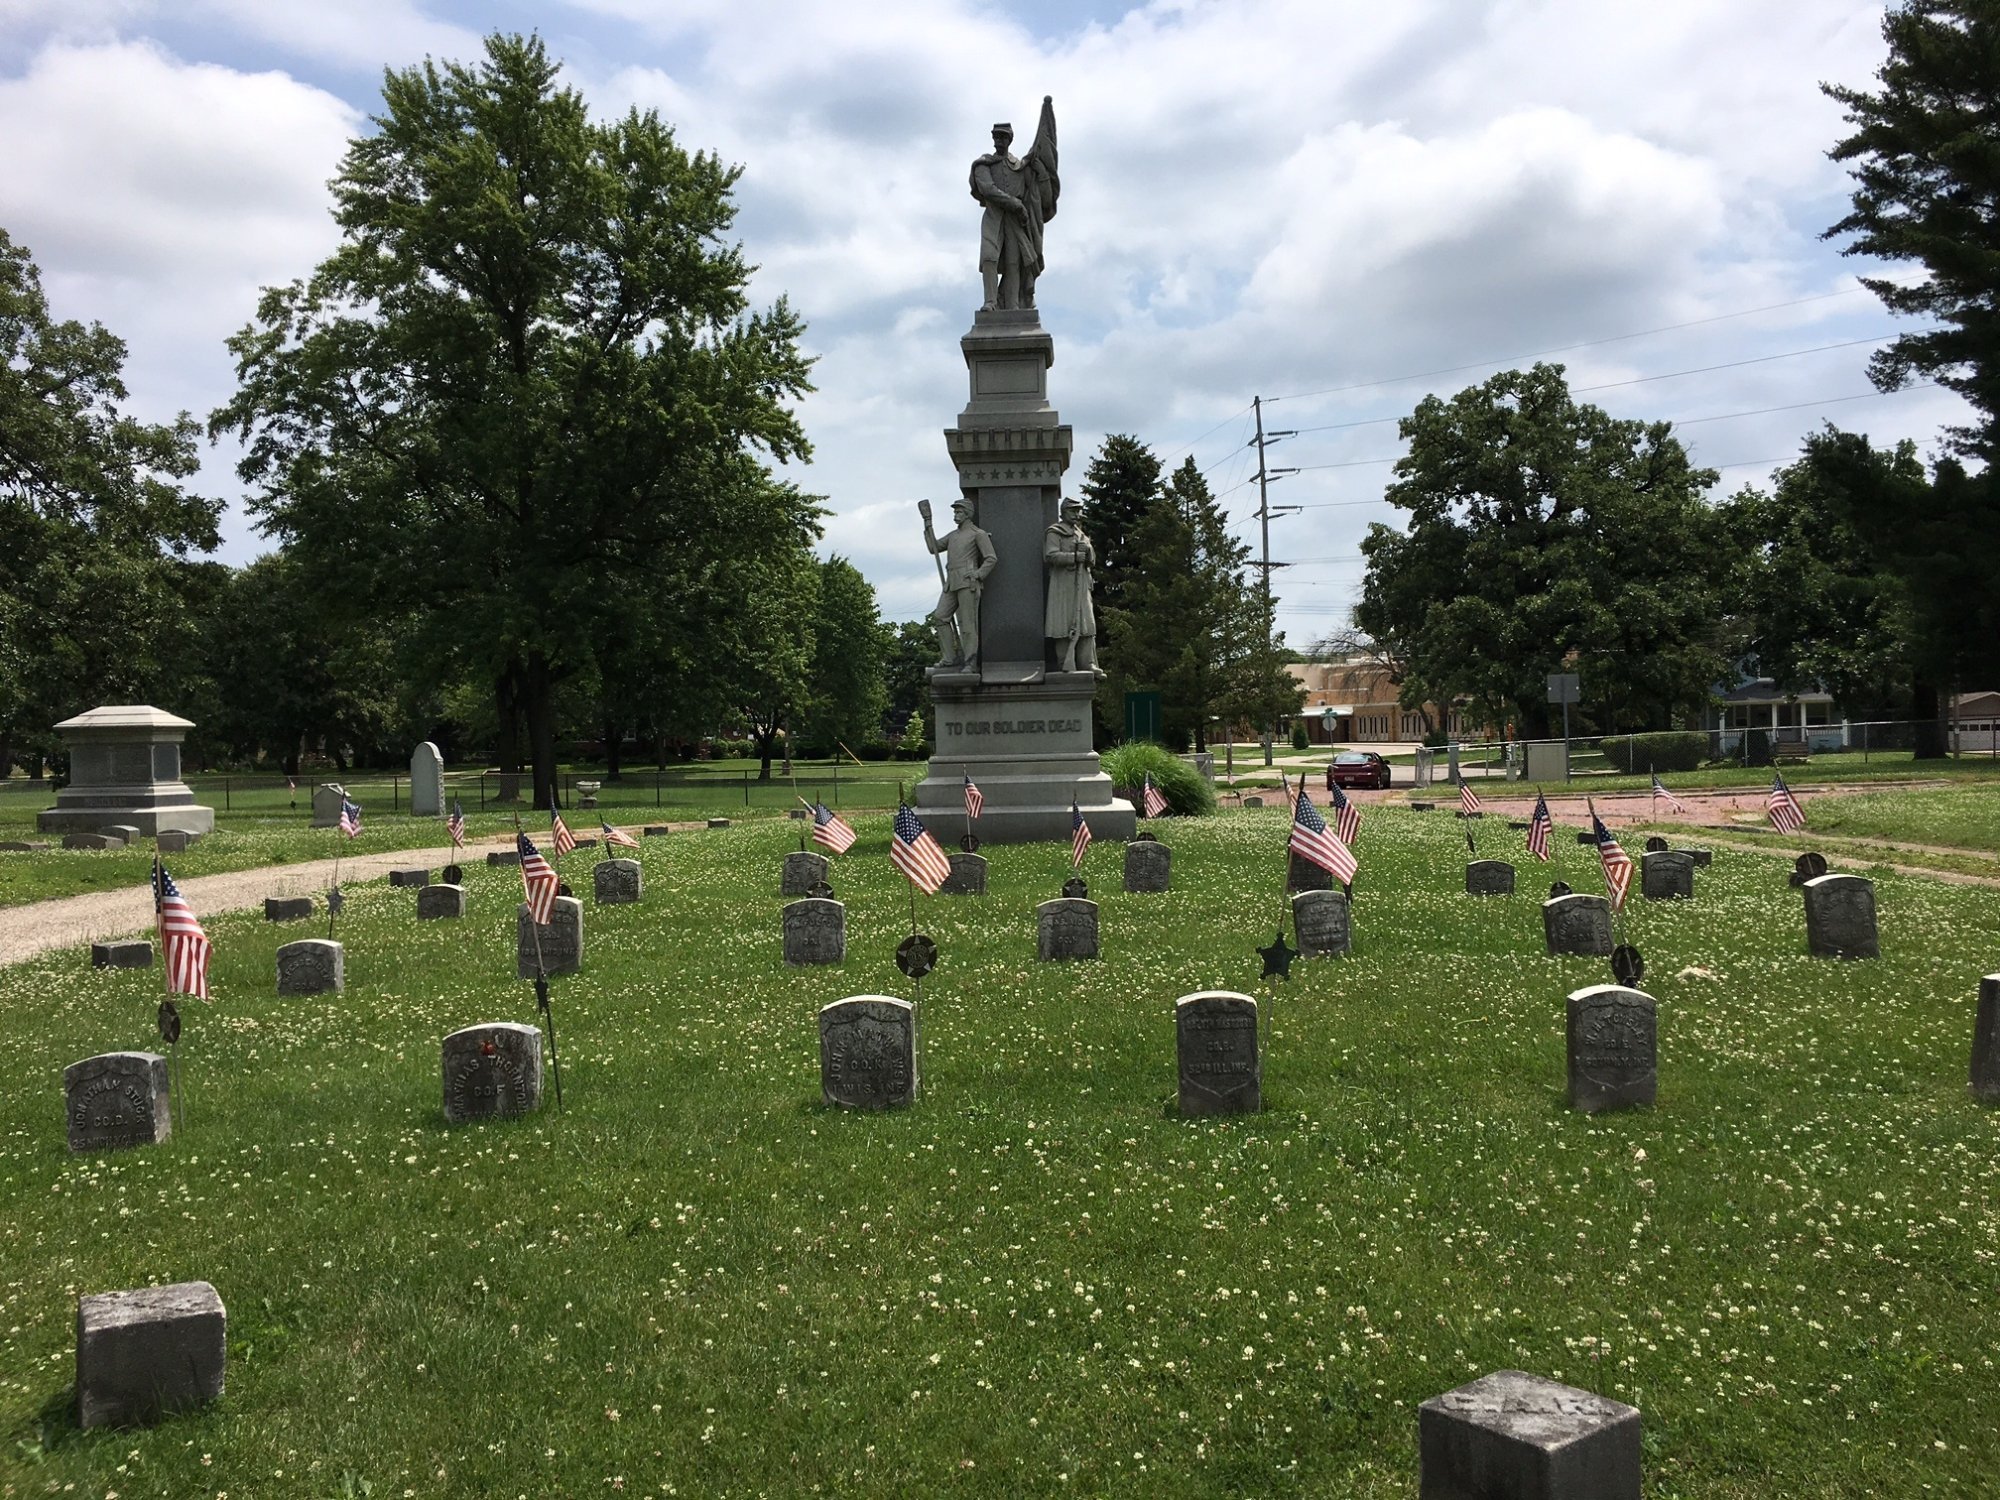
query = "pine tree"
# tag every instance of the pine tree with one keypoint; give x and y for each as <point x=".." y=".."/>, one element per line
<point x="1119" y="487"/>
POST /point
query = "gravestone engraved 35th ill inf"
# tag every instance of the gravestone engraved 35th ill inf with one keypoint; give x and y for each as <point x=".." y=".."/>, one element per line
<point x="311" y="966"/>
<point x="1577" y="925"/>
<point x="1840" y="917"/>
<point x="968" y="876"/>
<point x="1667" y="875"/>
<point x="618" y="882"/>
<point x="561" y="941"/>
<point x="1066" y="928"/>
<point x="440" y="901"/>
<point x="492" y="1071"/>
<point x="1215" y="1035"/>
<point x="868" y="1052"/>
<point x="117" y="1099"/>
<point x="1323" y="922"/>
<point x="1514" y="1436"/>
<point x="802" y="871"/>
<point x="815" y="931"/>
<point x="1149" y="867"/>
<point x="1489" y="877"/>
<point x="1614" y="1053"/>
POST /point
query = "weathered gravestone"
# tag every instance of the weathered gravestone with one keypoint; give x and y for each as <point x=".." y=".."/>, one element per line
<point x="1986" y="1042"/>
<point x="311" y="966"/>
<point x="435" y="902"/>
<point x="868" y="1052"/>
<point x="414" y="880"/>
<point x="1614" y="1052"/>
<point x="125" y="772"/>
<point x="1666" y="875"/>
<point x="149" y="1352"/>
<point x="1304" y="875"/>
<point x="93" y="841"/>
<point x="24" y="846"/>
<point x="1515" y="1436"/>
<point x="559" y="943"/>
<point x="117" y="1099"/>
<point x="617" y="882"/>
<point x="657" y="830"/>
<point x="1324" y="923"/>
<point x="1066" y="928"/>
<point x="1489" y="877"/>
<point x="1253" y="801"/>
<point x="327" y="798"/>
<point x="1215" y="1035"/>
<point x="498" y="858"/>
<point x="968" y="876"/>
<point x="718" y="822"/>
<point x="426" y="781"/>
<point x="1840" y="917"/>
<point x="1703" y="858"/>
<point x="287" y="908"/>
<point x="136" y="954"/>
<point x="174" y="840"/>
<point x="802" y="871"/>
<point x="492" y="1071"/>
<point x="815" y="931"/>
<point x="126" y="831"/>
<point x="1577" y="925"/>
<point x="1149" y="867"/>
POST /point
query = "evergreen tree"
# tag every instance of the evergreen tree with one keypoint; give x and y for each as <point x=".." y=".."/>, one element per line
<point x="1119" y="487"/>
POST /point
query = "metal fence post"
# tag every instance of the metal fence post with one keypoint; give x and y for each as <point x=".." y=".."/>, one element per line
<point x="746" y="788"/>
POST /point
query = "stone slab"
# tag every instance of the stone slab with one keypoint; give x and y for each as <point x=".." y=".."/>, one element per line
<point x="410" y="879"/>
<point x="1613" y="1047"/>
<point x="426" y="781"/>
<point x="868" y="1052"/>
<point x="718" y="822"/>
<point x="1667" y="875"/>
<point x="617" y="882"/>
<point x="116" y="1100"/>
<point x="492" y="1071"/>
<point x="1489" y="877"/>
<point x="440" y="903"/>
<point x="1840" y="917"/>
<point x="287" y="908"/>
<point x="24" y="846"/>
<point x="968" y="876"/>
<point x="561" y="940"/>
<point x="1215" y="1044"/>
<point x="92" y="841"/>
<point x="657" y="830"/>
<point x="815" y="931"/>
<point x="312" y="966"/>
<point x="175" y="840"/>
<point x="1986" y="1042"/>
<point x="136" y="954"/>
<point x="1577" y="925"/>
<point x="129" y="832"/>
<point x="1323" y="923"/>
<point x="498" y="858"/>
<point x="1514" y="1436"/>
<point x="1066" y="928"/>
<point x="1149" y="868"/>
<point x="801" y="871"/>
<point x="147" y="1353"/>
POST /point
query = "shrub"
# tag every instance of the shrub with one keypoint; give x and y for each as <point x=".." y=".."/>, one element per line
<point x="1301" y="740"/>
<point x="1676" y="750"/>
<point x="1187" y="791"/>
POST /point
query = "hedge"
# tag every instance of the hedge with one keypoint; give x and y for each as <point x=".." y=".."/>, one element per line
<point x="1187" y="791"/>
<point x="1676" y="750"/>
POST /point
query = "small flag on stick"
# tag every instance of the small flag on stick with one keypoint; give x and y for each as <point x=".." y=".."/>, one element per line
<point x="1468" y="799"/>
<point x="538" y="879"/>
<point x="617" y="838"/>
<point x="1346" y="816"/>
<point x="1313" y="841"/>
<point x="975" y="800"/>
<point x="1079" y="835"/>
<point x="350" y="818"/>
<point x="455" y="824"/>
<point x="1660" y="790"/>
<point x="830" y="830"/>
<point x="1150" y="800"/>
<point x="561" y="840"/>
<point x="913" y="851"/>
<point x="1617" y="863"/>
<point x="1540" y="827"/>
<point x="1786" y="814"/>
<point x="184" y="947"/>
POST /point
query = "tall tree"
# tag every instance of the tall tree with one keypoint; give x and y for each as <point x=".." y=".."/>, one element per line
<point x="526" y="382"/>
<point x="1119" y="487"/>
<point x="845" y="689"/>
<point x="911" y="647"/>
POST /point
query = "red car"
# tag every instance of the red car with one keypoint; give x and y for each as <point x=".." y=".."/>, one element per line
<point x="1358" y="768"/>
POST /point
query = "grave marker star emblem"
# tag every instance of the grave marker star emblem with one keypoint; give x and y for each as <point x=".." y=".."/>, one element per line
<point x="1278" y="957"/>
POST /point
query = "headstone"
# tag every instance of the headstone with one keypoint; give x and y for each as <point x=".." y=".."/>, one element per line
<point x="968" y="876"/>
<point x="560" y="942"/>
<point x="147" y="1353"/>
<point x="1986" y="1042"/>
<point x="499" y="857"/>
<point x="868" y="1052"/>
<point x="1614" y="1054"/>
<point x="1066" y="928"/>
<point x="1514" y="1436"/>
<point x="802" y="871"/>
<point x="1149" y="867"/>
<point x="492" y="1071"/>
<point x="1323" y="922"/>
<point x="718" y="822"/>
<point x="327" y="798"/>
<point x="311" y="966"/>
<point x="435" y="902"/>
<point x="1808" y="866"/>
<point x="1304" y="875"/>
<point x="426" y="782"/>
<point x="117" y="1099"/>
<point x="412" y="879"/>
<point x="1666" y="875"/>
<point x="1577" y="925"/>
<point x="24" y="846"/>
<point x="127" y="832"/>
<point x="92" y="841"/>
<point x="617" y="882"/>
<point x="1702" y="858"/>
<point x="287" y="908"/>
<point x="1215" y="1034"/>
<point x="136" y="954"/>
<point x="1253" y="801"/>
<point x="1840" y="917"/>
<point x="1489" y="877"/>
<point x="1422" y="806"/>
<point x="815" y="931"/>
<point x="174" y="841"/>
<point x="125" y="771"/>
<point x="657" y="830"/>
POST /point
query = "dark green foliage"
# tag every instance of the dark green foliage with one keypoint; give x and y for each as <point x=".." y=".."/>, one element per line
<point x="1118" y="490"/>
<point x="1187" y="791"/>
<point x="1301" y="738"/>
<point x="1675" y="750"/>
<point x="845" y="691"/>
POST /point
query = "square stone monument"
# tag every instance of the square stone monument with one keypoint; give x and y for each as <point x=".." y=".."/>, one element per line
<point x="426" y="782"/>
<point x="117" y="1099"/>
<point x="492" y="1071"/>
<point x="1614" y="1048"/>
<point x="1215" y="1036"/>
<point x="125" y="768"/>
<point x="149" y="1352"/>
<point x="1515" y="1436"/>
<point x="868" y="1052"/>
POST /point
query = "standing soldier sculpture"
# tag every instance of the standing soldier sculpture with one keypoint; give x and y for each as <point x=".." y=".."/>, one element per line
<point x="1019" y="195"/>
<point x="1070" y="618"/>
<point x="969" y="558"/>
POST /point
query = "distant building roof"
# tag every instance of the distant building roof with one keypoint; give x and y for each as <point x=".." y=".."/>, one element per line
<point x="1765" y="690"/>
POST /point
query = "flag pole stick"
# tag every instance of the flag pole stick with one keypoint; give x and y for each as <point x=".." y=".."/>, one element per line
<point x="541" y="976"/>
<point x="175" y="1080"/>
<point x="795" y="793"/>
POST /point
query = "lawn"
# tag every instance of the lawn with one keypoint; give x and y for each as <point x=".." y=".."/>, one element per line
<point x="1038" y="1279"/>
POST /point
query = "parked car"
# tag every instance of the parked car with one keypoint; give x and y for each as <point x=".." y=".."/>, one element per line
<point x="1357" y="768"/>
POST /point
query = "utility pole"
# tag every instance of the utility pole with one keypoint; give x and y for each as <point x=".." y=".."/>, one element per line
<point x="1265" y="474"/>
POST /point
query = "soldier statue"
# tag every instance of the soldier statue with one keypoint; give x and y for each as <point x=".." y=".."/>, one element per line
<point x="969" y="557"/>
<point x="1019" y="195"/>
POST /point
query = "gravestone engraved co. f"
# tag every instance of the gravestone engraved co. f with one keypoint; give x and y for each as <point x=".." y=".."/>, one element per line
<point x="560" y="942"/>
<point x="117" y="1099"/>
<point x="1514" y="1436"/>
<point x="1614" y="1053"/>
<point x="1066" y="928"/>
<point x="1577" y="925"/>
<point x="1489" y="877"/>
<point x="440" y="901"/>
<point x="1667" y="875"/>
<point x="311" y="966"/>
<point x="815" y="931"/>
<point x="1215" y="1035"/>
<point x="492" y="1071"/>
<point x="1323" y="922"/>
<point x="618" y="882"/>
<point x="802" y="871"/>
<point x="1840" y="917"/>
<point x="143" y="1354"/>
<point x="1149" y="867"/>
<point x="868" y="1052"/>
<point x="426" y="781"/>
<point x="1986" y="1042"/>
<point x="968" y="876"/>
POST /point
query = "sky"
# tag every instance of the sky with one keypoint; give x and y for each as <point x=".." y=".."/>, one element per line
<point x="1338" y="206"/>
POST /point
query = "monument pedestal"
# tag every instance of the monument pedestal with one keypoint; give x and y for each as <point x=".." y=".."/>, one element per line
<point x="125" y="768"/>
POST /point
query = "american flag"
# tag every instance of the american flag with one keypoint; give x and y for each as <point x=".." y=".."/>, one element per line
<point x="560" y="838"/>
<point x="350" y="818"/>
<point x="1540" y="826"/>
<point x="831" y="830"/>
<point x="1660" y="790"/>
<point x="538" y="878"/>
<point x="1150" y="800"/>
<point x="1312" y="840"/>
<point x="618" y="838"/>
<point x="183" y="945"/>
<point x="1346" y="816"/>
<point x="913" y="851"/>
<point x="1468" y="799"/>
<point x="1079" y="835"/>
<point x="975" y="800"/>
<point x="455" y="824"/>
<point x="1786" y="814"/>
<point x="1617" y="863"/>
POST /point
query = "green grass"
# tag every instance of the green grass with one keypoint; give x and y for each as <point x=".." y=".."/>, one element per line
<point x="1954" y="818"/>
<point x="698" y="1281"/>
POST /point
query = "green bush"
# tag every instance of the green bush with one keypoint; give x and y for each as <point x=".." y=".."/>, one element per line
<point x="1300" y="739"/>
<point x="1187" y="791"/>
<point x="1676" y="750"/>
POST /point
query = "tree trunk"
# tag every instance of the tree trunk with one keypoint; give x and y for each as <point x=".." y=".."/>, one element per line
<point x="537" y="704"/>
<point x="1928" y="710"/>
<point x="766" y="739"/>
<point x="507" y="703"/>
<point x="614" y="735"/>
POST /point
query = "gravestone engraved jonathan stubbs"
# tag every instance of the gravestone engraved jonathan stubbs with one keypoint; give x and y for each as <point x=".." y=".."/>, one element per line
<point x="136" y="954"/>
<point x="440" y="901"/>
<point x="117" y="1099"/>
<point x="1323" y="922"/>
<point x="1489" y="877"/>
<point x="1840" y="917"/>
<point x="1514" y="1436"/>
<point x="1577" y="925"/>
<point x="287" y="908"/>
<point x="968" y="876"/>
<point x="311" y="966"/>
<point x="1066" y="928"/>
<point x="145" y="1353"/>
<point x="1667" y="875"/>
<point x="1614" y="1055"/>
<point x="1149" y="867"/>
<point x="426" y="781"/>
<point x="868" y="1052"/>
<point x="1986" y="1042"/>
<point x="815" y="931"/>
<point x="802" y="871"/>
<point x="561" y="941"/>
<point x="1215" y="1035"/>
<point x="492" y="1071"/>
<point x="618" y="882"/>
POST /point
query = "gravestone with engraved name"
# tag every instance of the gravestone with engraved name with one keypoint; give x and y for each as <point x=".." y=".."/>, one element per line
<point x="1215" y="1035"/>
<point x="1514" y="1436"/>
<point x="559" y="942"/>
<point x="426" y="781"/>
<point x="117" y="1099"/>
<point x="815" y="931"/>
<point x="148" y="1352"/>
<point x="802" y="871"/>
<point x="492" y="1071"/>
<point x="136" y="954"/>
<point x="435" y="902"/>
<point x="1066" y="928"/>
<point x="868" y="1052"/>
<point x="1667" y="875"/>
<point x="287" y="908"/>
<point x="1324" y="924"/>
<point x="1489" y="877"/>
<point x="1149" y="867"/>
<point x="1614" y="1055"/>
<point x="327" y="798"/>
<point x="618" y="882"/>
<point x="1840" y="917"/>
<point x="311" y="966"/>
<point x="1986" y="1042"/>
<point x="1577" y="925"/>
<point x="968" y="876"/>
<point x="1304" y="875"/>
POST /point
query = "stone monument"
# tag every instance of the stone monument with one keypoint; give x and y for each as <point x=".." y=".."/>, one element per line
<point x="1527" y="1438"/>
<point x="1066" y="928"/>
<point x="125" y="768"/>
<point x="1614" y="1049"/>
<point x="1840" y="917"/>
<point x="1149" y="867"/>
<point x="146" y="1353"/>
<point x="492" y="1071"/>
<point x="1324" y="923"/>
<point x="815" y="931"/>
<point x="426" y="782"/>
<point x="1577" y="925"/>
<point x="1215" y="1035"/>
<point x="801" y="871"/>
<point x="311" y="966"/>
<point x="868" y="1052"/>
<point x="556" y="948"/>
<point x="117" y="1099"/>
<point x="441" y="903"/>
<point x="618" y="882"/>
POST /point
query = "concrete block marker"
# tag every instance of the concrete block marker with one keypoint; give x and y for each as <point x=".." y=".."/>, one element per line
<point x="147" y="1353"/>
<point x="440" y="903"/>
<point x="137" y="954"/>
<point x="287" y="908"/>
<point x="1515" y="1436"/>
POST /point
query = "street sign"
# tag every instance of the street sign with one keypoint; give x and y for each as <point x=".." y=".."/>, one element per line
<point x="1563" y="687"/>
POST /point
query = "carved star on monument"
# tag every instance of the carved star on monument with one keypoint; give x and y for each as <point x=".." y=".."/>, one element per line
<point x="1278" y="957"/>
